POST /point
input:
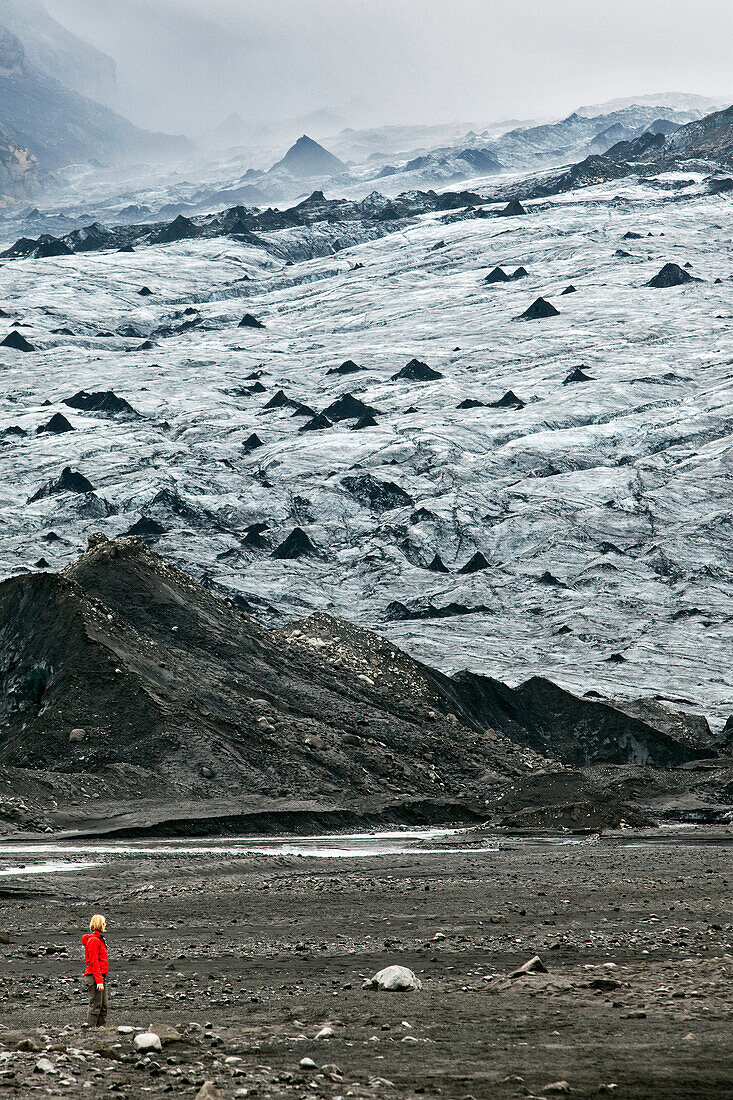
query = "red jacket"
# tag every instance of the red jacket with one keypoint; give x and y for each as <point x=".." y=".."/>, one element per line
<point x="95" y="953"/>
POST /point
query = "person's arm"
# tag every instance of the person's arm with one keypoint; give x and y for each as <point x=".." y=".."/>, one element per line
<point x="94" y="960"/>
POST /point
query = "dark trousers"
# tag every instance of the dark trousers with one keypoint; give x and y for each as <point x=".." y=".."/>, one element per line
<point x="97" y="1014"/>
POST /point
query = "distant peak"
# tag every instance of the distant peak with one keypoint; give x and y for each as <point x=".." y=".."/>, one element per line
<point x="308" y="158"/>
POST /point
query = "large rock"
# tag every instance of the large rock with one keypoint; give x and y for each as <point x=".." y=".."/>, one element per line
<point x="146" y="1041"/>
<point x="539" y="310"/>
<point x="671" y="275"/>
<point x="394" y="979"/>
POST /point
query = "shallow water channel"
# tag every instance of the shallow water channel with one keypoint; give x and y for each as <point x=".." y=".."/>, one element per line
<point x="20" y="858"/>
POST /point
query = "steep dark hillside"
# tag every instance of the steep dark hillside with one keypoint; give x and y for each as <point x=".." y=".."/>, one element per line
<point x="711" y="138"/>
<point x="152" y="670"/>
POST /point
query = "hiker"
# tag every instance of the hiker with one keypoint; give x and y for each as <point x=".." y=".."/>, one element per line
<point x="95" y="975"/>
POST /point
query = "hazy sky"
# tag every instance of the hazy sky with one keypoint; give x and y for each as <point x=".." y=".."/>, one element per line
<point x="185" y="65"/>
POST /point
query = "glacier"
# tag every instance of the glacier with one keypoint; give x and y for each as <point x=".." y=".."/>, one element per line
<point x="602" y="508"/>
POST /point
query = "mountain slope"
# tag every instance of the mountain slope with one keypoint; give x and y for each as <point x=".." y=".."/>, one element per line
<point x="20" y="177"/>
<point x="56" y="51"/>
<point x="60" y="127"/>
<point x="159" y="673"/>
<point x="710" y="138"/>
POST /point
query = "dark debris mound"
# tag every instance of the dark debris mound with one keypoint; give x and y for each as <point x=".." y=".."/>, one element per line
<point x="471" y="403"/>
<point x="347" y="367"/>
<point x="104" y="401"/>
<point x="17" y="342"/>
<point x="508" y="401"/>
<point x="378" y="495"/>
<point x="498" y="275"/>
<point x="317" y="423"/>
<point x="437" y="565"/>
<point x="280" y="400"/>
<point x="251" y="443"/>
<point x="475" y="565"/>
<point x="248" y="321"/>
<point x="57" y="425"/>
<point x="539" y="309"/>
<point x="165" y="675"/>
<point x="416" y="371"/>
<point x="671" y="275"/>
<point x="348" y="407"/>
<point x="69" y="481"/>
<point x="296" y="545"/>
<point x="577" y="375"/>
<point x="513" y="209"/>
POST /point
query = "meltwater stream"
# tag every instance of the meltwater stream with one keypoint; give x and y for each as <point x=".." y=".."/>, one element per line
<point x="55" y="857"/>
<point x="78" y="856"/>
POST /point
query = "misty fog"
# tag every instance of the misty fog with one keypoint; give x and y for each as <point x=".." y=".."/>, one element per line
<point x="185" y="65"/>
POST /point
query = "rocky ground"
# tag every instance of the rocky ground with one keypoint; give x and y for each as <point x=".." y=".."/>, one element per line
<point x="248" y="960"/>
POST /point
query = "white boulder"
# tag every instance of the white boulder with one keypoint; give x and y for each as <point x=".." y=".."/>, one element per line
<point x="147" y="1040"/>
<point x="394" y="979"/>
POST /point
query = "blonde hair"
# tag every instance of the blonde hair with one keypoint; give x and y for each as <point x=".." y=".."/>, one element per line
<point x="97" y="923"/>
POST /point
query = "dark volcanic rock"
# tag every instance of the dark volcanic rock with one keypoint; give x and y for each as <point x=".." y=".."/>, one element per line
<point x="145" y="292"/>
<point x="296" y="545"/>
<point x="69" y="481"/>
<point x="569" y="290"/>
<point x="365" y="421"/>
<point x="248" y="321"/>
<point x="17" y="342"/>
<point x="160" y="671"/>
<point x="577" y="375"/>
<point x="50" y="246"/>
<point x="415" y="371"/>
<point x="512" y="210"/>
<point x="671" y="275"/>
<point x="577" y="731"/>
<point x="348" y="407"/>
<point x="253" y="536"/>
<point x="498" y="275"/>
<point x="146" y="528"/>
<point x="104" y="401"/>
<point x="318" y="423"/>
<point x="520" y="273"/>
<point x="251" y="443"/>
<point x="471" y="403"/>
<point x="347" y="367"/>
<point x="538" y="310"/>
<point x="378" y="495"/>
<point x="508" y="401"/>
<point x="437" y="566"/>
<point x="399" y="612"/>
<point x="57" y="425"/>
<point x="475" y="564"/>
<point x="280" y="400"/>
<point x="181" y="229"/>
